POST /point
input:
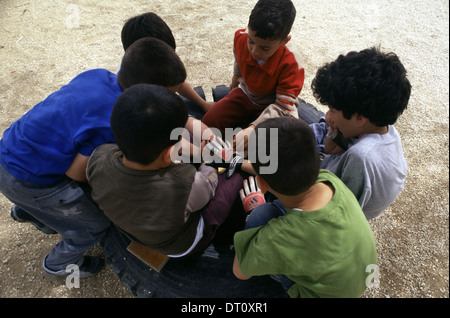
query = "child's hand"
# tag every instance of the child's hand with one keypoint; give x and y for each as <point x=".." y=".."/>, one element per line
<point x="220" y="148"/>
<point x="234" y="82"/>
<point x="330" y="122"/>
<point x="251" y="196"/>
<point x="225" y="156"/>
<point x="335" y="142"/>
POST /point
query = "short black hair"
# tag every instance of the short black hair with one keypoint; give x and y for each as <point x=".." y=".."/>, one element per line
<point x="142" y="120"/>
<point x="272" y="19"/>
<point x="369" y="83"/>
<point x="151" y="61"/>
<point x="146" y="25"/>
<point x="298" y="157"/>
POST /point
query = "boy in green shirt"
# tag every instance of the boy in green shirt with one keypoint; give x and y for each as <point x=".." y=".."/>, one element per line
<point x="315" y="238"/>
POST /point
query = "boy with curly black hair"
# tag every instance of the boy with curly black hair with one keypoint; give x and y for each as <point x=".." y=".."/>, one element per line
<point x="365" y="92"/>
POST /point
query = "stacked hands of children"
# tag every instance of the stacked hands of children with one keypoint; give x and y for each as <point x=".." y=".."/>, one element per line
<point x="224" y="156"/>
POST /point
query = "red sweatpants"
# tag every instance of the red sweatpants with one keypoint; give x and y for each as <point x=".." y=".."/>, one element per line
<point x="235" y="110"/>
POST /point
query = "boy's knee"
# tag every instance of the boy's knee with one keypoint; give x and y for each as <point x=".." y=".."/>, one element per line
<point x="212" y="120"/>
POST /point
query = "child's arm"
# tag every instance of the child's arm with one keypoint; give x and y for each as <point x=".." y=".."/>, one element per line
<point x="203" y="188"/>
<point x="237" y="270"/>
<point x="77" y="170"/>
<point x="234" y="81"/>
<point x="240" y="141"/>
<point x="198" y="129"/>
<point x="187" y="91"/>
<point x="325" y="138"/>
<point x="331" y="146"/>
<point x="286" y="105"/>
<point x="289" y="85"/>
<point x="200" y="135"/>
<point x="247" y="167"/>
<point x="334" y="141"/>
<point x="236" y="73"/>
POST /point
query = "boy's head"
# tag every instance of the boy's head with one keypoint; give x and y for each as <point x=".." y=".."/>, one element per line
<point x="367" y="83"/>
<point x="272" y="19"/>
<point x="146" y="25"/>
<point x="298" y="158"/>
<point x="142" y="120"/>
<point x="151" y="61"/>
<point x="269" y="26"/>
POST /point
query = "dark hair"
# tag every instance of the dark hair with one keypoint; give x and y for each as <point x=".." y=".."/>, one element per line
<point x="151" y="61"/>
<point x="369" y="83"/>
<point x="272" y="19"/>
<point x="142" y="120"/>
<point x="146" y="25"/>
<point x="298" y="158"/>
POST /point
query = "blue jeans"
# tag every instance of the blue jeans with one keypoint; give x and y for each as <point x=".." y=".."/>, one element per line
<point x="260" y="216"/>
<point x="65" y="207"/>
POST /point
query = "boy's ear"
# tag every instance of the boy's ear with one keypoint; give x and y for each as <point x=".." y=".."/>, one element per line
<point x="165" y="155"/>
<point x="286" y="40"/>
<point x="360" y="120"/>
<point x="262" y="184"/>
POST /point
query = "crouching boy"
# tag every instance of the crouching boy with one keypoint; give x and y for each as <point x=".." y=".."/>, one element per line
<point x="154" y="201"/>
<point x="314" y="239"/>
<point x="365" y="92"/>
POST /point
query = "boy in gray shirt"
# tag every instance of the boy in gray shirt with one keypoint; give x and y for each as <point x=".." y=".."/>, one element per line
<point x="169" y="207"/>
<point x="365" y="92"/>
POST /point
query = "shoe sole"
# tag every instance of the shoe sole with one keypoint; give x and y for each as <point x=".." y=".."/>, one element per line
<point x="43" y="229"/>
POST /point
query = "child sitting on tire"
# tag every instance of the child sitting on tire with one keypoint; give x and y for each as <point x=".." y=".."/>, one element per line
<point x="156" y="202"/>
<point x="365" y="93"/>
<point x="314" y="239"/>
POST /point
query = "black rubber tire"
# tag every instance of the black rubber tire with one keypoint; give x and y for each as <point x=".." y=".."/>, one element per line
<point x="219" y="92"/>
<point x="208" y="275"/>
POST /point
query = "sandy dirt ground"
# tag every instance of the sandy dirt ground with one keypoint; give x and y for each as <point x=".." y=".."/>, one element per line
<point x="44" y="44"/>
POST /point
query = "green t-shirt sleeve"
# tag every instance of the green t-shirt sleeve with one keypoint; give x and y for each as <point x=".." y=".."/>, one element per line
<point x="255" y="253"/>
<point x="244" y="246"/>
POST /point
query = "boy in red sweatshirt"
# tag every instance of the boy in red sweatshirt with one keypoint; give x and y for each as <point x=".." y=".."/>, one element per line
<point x="268" y="75"/>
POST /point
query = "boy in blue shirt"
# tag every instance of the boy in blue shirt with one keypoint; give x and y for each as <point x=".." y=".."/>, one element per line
<point x="43" y="155"/>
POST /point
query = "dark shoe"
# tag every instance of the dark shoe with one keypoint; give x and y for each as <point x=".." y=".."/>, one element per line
<point x="20" y="215"/>
<point x="91" y="265"/>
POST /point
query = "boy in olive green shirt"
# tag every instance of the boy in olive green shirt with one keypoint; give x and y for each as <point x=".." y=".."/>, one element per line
<point x="315" y="238"/>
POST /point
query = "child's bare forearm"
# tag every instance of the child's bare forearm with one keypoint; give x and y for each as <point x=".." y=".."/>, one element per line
<point x="247" y="167"/>
<point x="77" y="170"/>
<point x="187" y="91"/>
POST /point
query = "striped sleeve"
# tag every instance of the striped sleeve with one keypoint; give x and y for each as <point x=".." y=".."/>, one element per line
<point x="290" y="84"/>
